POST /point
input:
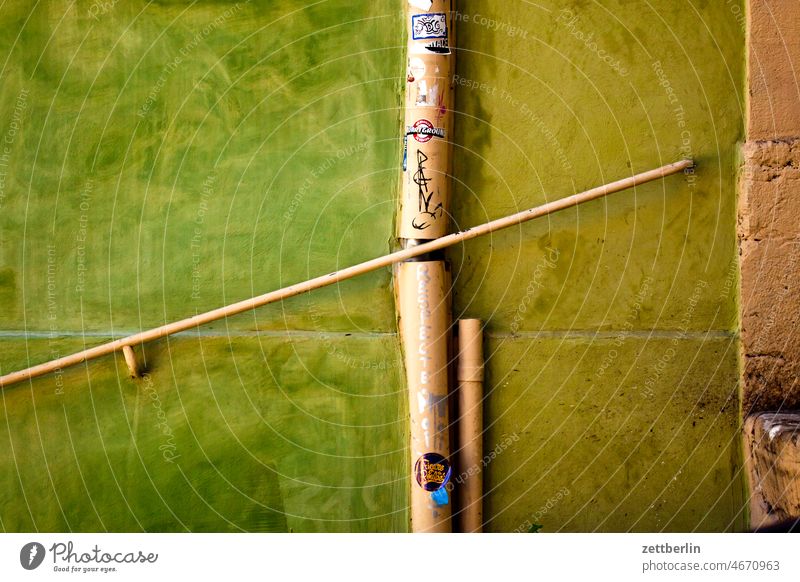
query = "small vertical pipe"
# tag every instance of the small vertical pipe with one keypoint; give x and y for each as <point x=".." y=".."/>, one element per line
<point x="130" y="361"/>
<point x="470" y="424"/>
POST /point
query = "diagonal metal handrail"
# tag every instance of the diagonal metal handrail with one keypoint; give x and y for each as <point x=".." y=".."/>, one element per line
<point x="125" y="344"/>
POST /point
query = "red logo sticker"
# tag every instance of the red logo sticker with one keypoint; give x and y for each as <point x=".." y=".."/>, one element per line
<point x="423" y="130"/>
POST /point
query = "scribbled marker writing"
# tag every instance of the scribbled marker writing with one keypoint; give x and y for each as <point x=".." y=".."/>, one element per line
<point x="419" y="177"/>
<point x="426" y="216"/>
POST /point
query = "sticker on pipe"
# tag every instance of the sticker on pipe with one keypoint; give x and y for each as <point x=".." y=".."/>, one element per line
<point x="424" y="131"/>
<point x="427" y="96"/>
<point x="440" y="47"/>
<point x="432" y="471"/>
<point x="416" y="69"/>
<point x="429" y="26"/>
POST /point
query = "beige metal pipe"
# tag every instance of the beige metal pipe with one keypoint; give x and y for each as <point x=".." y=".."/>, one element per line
<point x="130" y="360"/>
<point x="424" y="308"/>
<point x="348" y="273"/>
<point x="470" y="424"/>
<point x="423" y="287"/>
<point x="429" y="100"/>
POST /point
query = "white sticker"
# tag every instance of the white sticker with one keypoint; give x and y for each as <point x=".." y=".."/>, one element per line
<point x="427" y="96"/>
<point x="417" y="67"/>
<point x="422" y="93"/>
<point x="433" y="95"/>
<point x="429" y="26"/>
<point x="421" y="4"/>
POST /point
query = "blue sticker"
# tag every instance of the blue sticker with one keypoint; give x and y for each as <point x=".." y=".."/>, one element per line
<point x="426" y="26"/>
<point x="440" y="496"/>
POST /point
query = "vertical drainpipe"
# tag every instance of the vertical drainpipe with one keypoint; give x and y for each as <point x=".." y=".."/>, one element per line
<point x="423" y="284"/>
<point x="470" y="423"/>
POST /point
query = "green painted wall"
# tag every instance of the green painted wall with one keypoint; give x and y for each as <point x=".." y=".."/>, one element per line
<point x="612" y="326"/>
<point x="169" y="157"/>
<point x="268" y="152"/>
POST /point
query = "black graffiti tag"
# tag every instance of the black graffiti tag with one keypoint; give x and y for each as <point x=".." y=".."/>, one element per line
<point x="426" y="216"/>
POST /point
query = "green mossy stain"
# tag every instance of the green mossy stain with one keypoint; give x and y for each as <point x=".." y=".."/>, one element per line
<point x="8" y="282"/>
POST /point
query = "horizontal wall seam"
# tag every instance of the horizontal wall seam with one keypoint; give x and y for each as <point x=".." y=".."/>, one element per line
<point x="619" y="334"/>
<point x="119" y="334"/>
<point x="303" y="334"/>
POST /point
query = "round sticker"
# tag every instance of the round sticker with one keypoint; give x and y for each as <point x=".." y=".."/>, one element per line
<point x="424" y="131"/>
<point x="432" y="471"/>
<point x="417" y="67"/>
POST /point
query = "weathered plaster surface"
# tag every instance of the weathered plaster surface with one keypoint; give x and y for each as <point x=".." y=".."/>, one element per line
<point x="774" y="70"/>
<point x="769" y="240"/>
<point x="769" y="210"/>
<point x="769" y="231"/>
